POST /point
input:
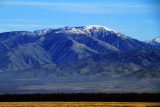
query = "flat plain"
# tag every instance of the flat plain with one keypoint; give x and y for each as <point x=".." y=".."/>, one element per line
<point x="79" y="104"/>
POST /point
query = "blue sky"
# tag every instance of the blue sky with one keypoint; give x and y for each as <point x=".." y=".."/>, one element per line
<point x="135" y="18"/>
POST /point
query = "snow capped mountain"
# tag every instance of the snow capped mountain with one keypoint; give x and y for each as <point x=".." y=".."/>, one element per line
<point x="116" y="39"/>
<point x="107" y="36"/>
<point x="80" y="36"/>
<point x="22" y="49"/>
<point x="86" y="55"/>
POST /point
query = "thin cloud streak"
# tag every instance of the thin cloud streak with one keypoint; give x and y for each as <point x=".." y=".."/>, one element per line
<point x="121" y="5"/>
<point x="29" y="3"/>
<point x="87" y="7"/>
<point x="20" y="20"/>
<point x="3" y="30"/>
<point x="29" y="25"/>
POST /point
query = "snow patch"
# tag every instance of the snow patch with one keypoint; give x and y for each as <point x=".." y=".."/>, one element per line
<point x="42" y="32"/>
<point x="157" y="40"/>
<point x="70" y="30"/>
<point x="97" y="27"/>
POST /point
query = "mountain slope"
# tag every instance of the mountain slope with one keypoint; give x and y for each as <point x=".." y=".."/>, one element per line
<point x="25" y="56"/>
<point x="82" y="37"/>
<point x="64" y="49"/>
<point x="114" y="38"/>
<point x="115" y="64"/>
<point x="10" y="40"/>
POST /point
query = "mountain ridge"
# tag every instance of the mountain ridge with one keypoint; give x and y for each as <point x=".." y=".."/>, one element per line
<point x="68" y="44"/>
<point x="85" y="55"/>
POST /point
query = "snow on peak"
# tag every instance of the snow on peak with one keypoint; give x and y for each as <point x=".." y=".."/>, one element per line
<point x="97" y="27"/>
<point x="42" y="32"/>
<point x="157" y="40"/>
<point x="85" y="29"/>
<point x="94" y="30"/>
<point x="154" y="41"/>
<point x="70" y="30"/>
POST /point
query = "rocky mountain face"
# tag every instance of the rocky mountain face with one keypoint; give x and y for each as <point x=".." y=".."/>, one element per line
<point x="78" y="54"/>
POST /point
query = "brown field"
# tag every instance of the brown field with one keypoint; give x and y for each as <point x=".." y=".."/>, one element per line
<point x="79" y="104"/>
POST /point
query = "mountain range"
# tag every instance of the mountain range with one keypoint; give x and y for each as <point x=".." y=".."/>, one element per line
<point x="78" y="59"/>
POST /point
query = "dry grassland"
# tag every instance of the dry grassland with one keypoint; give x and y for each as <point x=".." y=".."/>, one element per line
<point x="79" y="104"/>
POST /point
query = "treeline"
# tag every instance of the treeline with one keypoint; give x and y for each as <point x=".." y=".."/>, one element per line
<point x="115" y="97"/>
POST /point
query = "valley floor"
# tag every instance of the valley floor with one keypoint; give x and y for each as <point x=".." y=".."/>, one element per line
<point x="79" y="104"/>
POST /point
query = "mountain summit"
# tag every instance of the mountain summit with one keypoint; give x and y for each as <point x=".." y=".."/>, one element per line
<point x="155" y="42"/>
<point x="157" y="39"/>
